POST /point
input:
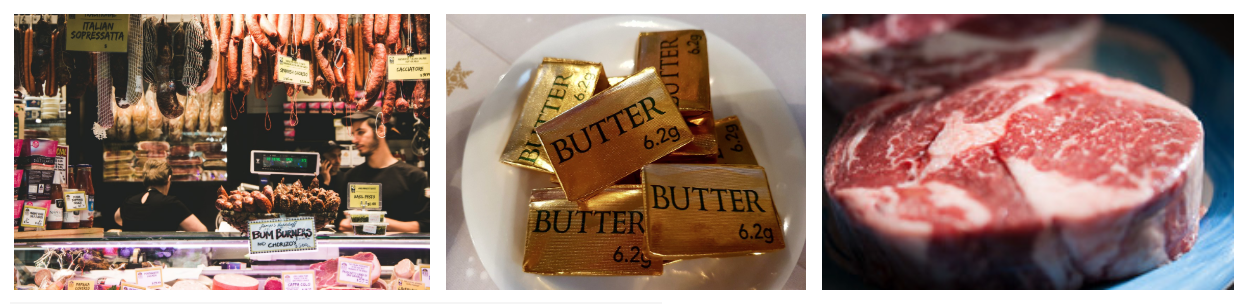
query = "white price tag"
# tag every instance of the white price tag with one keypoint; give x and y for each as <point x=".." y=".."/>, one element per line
<point x="75" y="201"/>
<point x="370" y="229"/>
<point x="299" y="280"/>
<point x="150" y="277"/>
<point x="34" y="217"/>
<point x="352" y="272"/>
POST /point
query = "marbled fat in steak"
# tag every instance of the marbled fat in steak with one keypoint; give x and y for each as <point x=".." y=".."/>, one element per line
<point x="1052" y="180"/>
<point x="866" y="57"/>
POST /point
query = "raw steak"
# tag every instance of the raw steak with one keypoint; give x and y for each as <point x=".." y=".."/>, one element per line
<point x="1052" y="180"/>
<point x="327" y="271"/>
<point x="866" y="57"/>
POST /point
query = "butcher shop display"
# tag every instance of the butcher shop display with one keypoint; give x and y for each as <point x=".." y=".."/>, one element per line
<point x="151" y="89"/>
<point x="964" y="159"/>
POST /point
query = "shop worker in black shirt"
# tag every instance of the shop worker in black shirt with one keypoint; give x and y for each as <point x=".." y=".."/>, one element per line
<point x="402" y="185"/>
<point x="154" y="210"/>
<point x="331" y="173"/>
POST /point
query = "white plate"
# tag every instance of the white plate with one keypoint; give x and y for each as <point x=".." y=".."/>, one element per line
<point x="496" y="195"/>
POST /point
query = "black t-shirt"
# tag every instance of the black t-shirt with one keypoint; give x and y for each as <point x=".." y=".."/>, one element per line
<point x="335" y="181"/>
<point x="402" y="191"/>
<point x="159" y="213"/>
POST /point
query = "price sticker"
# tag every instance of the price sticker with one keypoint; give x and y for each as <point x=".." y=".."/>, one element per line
<point x="34" y="217"/>
<point x="128" y="286"/>
<point x="75" y="201"/>
<point x="294" y="71"/>
<point x="366" y="196"/>
<point x="150" y="277"/>
<point x="299" y="280"/>
<point x="355" y="273"/>
<point x="97" y="32"/>
<point x="407" y="67"/>
<point x="405" y="284"/>
<point x="82" y="285"/>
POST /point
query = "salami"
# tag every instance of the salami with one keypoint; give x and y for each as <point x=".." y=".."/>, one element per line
<point x="296" y="29"/>
<point x="308" y="29"/>
<point x="381" y="23"/>
<point x="342" y="27"/>
<point x="321" y="61"/>
<point x="283" y="28"/>
<point x="329" y="25"/>
<point x="224" y="31"/>
<point x="367" y="37"/>
<point x="392" y="33"/>
<point x="258" y="35"/>
<point x="231" y="65"/>
<point x="246" y="65"/>
<point x="376" y="74"/>
<point x="266" y="25"/>
<point x="350" y="55"/>
<point x="239" y="23"/>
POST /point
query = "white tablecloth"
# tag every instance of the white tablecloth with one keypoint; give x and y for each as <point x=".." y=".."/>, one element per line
<point x="483" y="48"/>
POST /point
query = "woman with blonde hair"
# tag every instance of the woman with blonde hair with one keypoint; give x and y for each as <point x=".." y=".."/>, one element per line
<point x="154" y="210"/>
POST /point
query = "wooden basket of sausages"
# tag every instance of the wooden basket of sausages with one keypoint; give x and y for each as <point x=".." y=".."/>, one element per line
<point x="237" y="207"/>
<point x="239" y="219"/>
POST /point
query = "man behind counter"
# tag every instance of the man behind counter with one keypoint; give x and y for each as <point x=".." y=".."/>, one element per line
<point x="402" y="185"/>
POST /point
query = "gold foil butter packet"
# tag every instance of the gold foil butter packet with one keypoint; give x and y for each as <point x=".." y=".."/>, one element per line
<point x="698" y="210"/>
<point x="613" y="134"/>
<point x="734" y="147"/>
<point x="704" y="149"/>
<point x="557" y="85"/>
<point x="681" y="60"/>
<point x="607" y="237"/>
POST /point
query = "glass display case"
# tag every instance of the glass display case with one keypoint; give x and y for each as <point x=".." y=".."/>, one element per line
<point x="111" y="258"/>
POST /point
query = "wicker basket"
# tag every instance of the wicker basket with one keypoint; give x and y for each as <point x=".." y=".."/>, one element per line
<point x="239" y="219"/>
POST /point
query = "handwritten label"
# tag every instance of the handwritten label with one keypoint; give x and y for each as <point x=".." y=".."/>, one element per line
<point x="299" y="280"/>
<point x="370" y="229"/>
<point x="356" y="273"/>
<point x="294" y="71"/>
<point x="282" y="235"/>
<point x="374" y="218"/>
<point x="365" y="196"/>
<point x="34" y="217"/>
<point x="75" y="201"/>
<point x="405" y="284"/>
<point x="128" y="286"/>
<point x="97" y="32"/>
<point x="62" y="165"/>
<point x="150" y="277"/>
<point x="82" y="285"/>
<point x="407" y="67"/>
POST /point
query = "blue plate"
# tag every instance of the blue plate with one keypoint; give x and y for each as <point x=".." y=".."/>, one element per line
<point x="1167" y="56"/>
